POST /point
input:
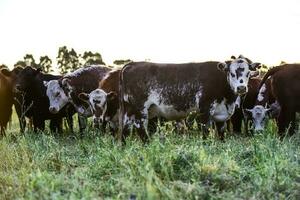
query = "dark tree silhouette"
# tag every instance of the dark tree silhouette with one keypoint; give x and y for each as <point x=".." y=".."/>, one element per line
<point x="90" y="58"/>
<point x="46" y="64"/>
<point x="122" y="62"/>
<point x="29" y="60"/>
<point x="67" y="60"/>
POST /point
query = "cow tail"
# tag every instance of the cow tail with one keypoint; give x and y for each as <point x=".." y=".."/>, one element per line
<point x="121" y="103"/>
<point x="271" y="72"/>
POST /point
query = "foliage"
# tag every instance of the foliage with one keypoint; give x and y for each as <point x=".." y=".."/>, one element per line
<point x="122" y="62"/>
<point x="170" y="166"/>
<point x="90" y="58"/>
<point x="3" y="66"/>
<point x="67" y="60"/>
<point x="46" y="64"/>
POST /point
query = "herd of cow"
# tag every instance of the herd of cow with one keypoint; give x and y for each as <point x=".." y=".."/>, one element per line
<point x="140" y="93"/>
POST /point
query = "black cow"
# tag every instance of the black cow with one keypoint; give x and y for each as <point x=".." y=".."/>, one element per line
<point x="30" y="83"/>
<point x="172" y="91"/>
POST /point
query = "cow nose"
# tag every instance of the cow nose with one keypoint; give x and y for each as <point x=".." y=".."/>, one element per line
<point x="52" y="110"/>
<point x="241" y="89"/>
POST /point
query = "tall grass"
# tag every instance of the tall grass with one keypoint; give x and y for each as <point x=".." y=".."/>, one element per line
<point x="170" y="166"/>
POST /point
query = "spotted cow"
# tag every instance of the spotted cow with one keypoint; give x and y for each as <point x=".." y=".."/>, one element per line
<point x="172" y="91"/>
<point x="104" y="101"/>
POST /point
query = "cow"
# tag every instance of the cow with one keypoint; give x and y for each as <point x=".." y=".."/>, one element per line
<point x="172" y="91"/>
<point x="66" y="90"/>
<point x="285" y="80"/>
<point x="104" y="101"/>
<point x="10" y="79"/>
<point x="6" y="101"/>
<point x="246" y="102"/>
<point x="265" y="107"/>
<point x="30" y="83"/>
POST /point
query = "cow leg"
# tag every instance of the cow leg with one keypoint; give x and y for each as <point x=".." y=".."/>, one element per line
<point x="236" y="121"/>
<point x="21" y="118"/>
<point x="82" y="121"/>
<point x="38" y="124"/>
<point x="221" y="129"/>
<point x="70" y="123"/>
<point x="284" y="120"/>
<point x="56" y="125"/>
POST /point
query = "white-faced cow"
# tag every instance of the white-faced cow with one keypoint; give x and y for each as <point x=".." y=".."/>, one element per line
<point x="285" y="87"/>
<point x="172" y="91"/>
<point x="104" y="101"/>
<point x="265" y="107"/>
<point x="67" y="89"/>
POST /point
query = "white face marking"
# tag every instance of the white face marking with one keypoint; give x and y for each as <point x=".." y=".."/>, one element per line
<point x="259" y="114"/>
<point x="261" y="93"/>
<point x="222" y="111"/>
<point x="98" y="103"/>
<point x="56" y="95"/>
<point x="155" y="106"/>
<point x="238" y="75"/>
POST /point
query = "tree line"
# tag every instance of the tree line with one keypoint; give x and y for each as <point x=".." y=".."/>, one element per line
<point x="68" y="60"/>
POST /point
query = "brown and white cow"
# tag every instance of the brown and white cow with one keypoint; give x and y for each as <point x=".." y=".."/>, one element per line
<point x="104" y="101"/>
<point x="172" y="91"/>
<point x="285" y="81"/>
<point x="265" y="107"/>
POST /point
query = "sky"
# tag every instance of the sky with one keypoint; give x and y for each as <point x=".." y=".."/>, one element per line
<point x="266" y="31"/>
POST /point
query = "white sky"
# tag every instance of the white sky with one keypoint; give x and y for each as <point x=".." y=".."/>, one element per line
<point x="267" y="31"/>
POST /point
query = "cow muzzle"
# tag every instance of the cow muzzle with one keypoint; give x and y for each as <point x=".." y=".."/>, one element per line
<point x="241" y="90"/>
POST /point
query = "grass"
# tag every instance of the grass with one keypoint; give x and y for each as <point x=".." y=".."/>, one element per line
<point x="170" y="166"/>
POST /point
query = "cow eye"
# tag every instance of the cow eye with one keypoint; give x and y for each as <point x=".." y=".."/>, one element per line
<point x="57" y="94"/>
<point x="232" y="74"/>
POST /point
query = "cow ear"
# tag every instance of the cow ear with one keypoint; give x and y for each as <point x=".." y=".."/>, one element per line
<point x="111" y="96"/>
<point x="84" y="96"/>
<point x="223" y="67"/>
<point x="254" y="74"/>
<point x="6" y="72"/>
<point x="248" y="113"/>
<point x="46" y="83"/>
<point x="254" y="66"/>
<point x="65" y="82"/>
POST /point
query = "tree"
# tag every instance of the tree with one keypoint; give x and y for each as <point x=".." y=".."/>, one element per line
<point x="46" y="64"/>
<point x="122" y="62"/>
<point x="67" y="60"/>
<point x="29" y="60"/>
<point x="90" y="58"/>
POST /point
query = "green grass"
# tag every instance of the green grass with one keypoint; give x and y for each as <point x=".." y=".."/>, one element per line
<point x="170" y="166"/>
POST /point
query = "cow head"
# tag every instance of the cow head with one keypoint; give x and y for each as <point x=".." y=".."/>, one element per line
<point x="238" y="71"/>
<point x="259" y="115"/>
<point x="26" y="79"/>
<point x="98" y="100"/>
<point x="57" y="97"/>
<point x="11" y="75"/>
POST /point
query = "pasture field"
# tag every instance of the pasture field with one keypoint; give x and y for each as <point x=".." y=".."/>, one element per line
<point x="170" y="166"/>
